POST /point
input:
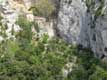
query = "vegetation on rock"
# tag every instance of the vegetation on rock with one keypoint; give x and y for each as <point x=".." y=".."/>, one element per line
<point x="41" y="58"/>
<point x="43" y="8"/>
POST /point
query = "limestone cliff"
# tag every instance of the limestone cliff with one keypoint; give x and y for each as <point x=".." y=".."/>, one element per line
<point x="11" y="9"/>
<point x="84" y="22"/>
<point x="81" y="22"/>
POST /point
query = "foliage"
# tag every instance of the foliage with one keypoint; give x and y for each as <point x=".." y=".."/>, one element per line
<point x="88" y="67"/>
<point x="27" y="58"/>
<point x="43" y="8"/>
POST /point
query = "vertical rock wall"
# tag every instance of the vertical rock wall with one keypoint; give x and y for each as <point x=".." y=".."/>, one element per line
<point x="70" y="19"/>
<point x="95" y="35"/>
<point x="84" y="23"/>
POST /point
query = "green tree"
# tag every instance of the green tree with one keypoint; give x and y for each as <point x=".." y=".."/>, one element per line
<point x="43" y="8"/>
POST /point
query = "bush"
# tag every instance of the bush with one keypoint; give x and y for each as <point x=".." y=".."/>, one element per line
<point x="44" y="59"/>
<point x="43" y="8"/>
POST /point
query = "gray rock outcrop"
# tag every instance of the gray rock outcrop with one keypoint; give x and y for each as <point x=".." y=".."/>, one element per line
<point x="84" y="23"/>
<point x="70" y="19"/>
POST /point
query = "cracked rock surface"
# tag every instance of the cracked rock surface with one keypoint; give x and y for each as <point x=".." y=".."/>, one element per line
<point x="78" y="23"/>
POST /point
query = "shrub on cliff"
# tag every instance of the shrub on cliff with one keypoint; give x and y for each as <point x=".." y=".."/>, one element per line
<point x="43" y="8"/>
<point x="27" y="58"/>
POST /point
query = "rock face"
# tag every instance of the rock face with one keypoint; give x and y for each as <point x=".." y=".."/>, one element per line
<point x="11" y="9"/>
<point x="94" y="33"/>
<point x="9" y="16"/>
<point x="85" y="24"/>
<point x="79" y="21"/>
<point x="70" y="19"/>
